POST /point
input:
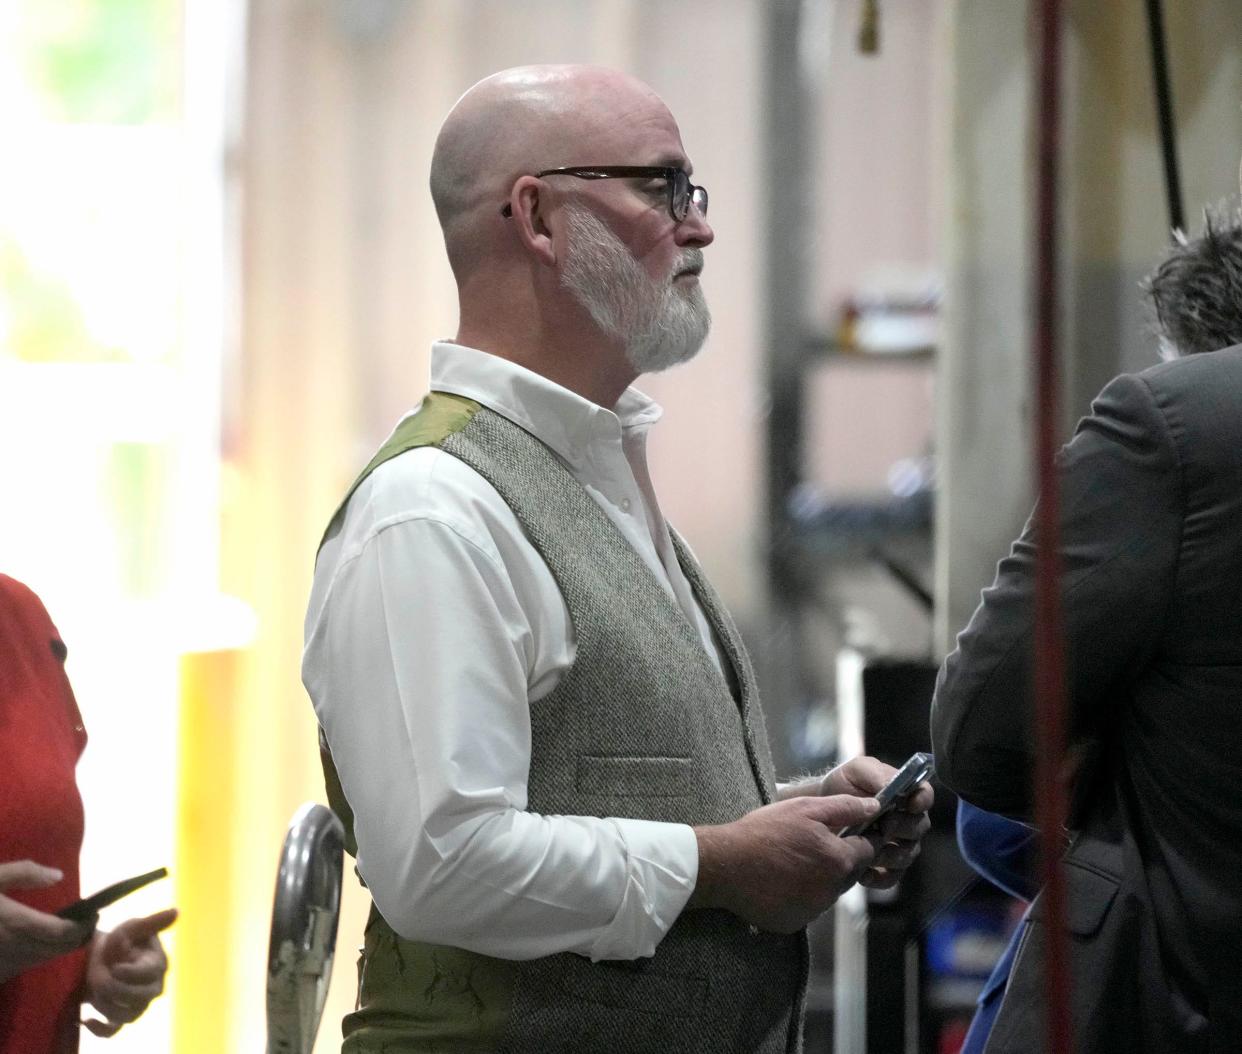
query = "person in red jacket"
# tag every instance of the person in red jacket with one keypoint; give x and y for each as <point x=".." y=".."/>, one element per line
<point x="49" y="967"/>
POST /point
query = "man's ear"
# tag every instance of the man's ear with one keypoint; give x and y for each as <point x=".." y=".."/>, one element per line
<point x="526" y="203"/>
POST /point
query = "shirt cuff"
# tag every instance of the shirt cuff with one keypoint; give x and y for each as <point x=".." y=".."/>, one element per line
<point x="662" y="867"/>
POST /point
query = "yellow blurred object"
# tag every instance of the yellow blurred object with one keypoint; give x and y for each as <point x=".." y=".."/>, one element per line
<point x="202" y="981"/>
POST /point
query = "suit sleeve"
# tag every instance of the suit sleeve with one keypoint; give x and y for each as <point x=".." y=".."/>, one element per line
<point x="1122" y="512"/>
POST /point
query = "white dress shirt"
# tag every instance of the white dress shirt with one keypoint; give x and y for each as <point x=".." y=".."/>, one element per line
<point x="433" y="623"/>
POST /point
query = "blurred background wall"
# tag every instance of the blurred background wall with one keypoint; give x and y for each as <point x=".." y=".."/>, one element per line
<point x="1114" y="228"/>
<point x="220" y="275"/>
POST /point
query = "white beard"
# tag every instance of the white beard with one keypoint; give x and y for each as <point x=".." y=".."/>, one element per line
<point x="656" y="323"/>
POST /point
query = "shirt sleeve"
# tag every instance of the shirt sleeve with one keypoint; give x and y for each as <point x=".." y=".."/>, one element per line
<point x="420" y="666"/>
<point x="1003" y="851"/>
<point x="1121" y="517"/>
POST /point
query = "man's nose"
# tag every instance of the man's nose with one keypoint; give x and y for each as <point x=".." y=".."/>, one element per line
<point x="694" y="230"/>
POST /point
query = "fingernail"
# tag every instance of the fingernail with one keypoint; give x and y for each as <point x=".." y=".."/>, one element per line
<point x="871" y="805"/>
<point x="55" y="873"/>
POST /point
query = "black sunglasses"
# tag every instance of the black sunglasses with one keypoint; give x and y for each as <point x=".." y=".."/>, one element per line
<point x="681" y="192"/>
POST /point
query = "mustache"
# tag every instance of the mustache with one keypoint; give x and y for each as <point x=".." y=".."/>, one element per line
<point x="690" y="261"/>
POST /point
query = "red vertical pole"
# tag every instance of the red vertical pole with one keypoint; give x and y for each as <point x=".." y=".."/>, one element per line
<point x="1050" y="807"/>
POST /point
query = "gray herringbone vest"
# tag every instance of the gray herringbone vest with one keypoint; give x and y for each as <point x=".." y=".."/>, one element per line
<point x="642" y="725"/>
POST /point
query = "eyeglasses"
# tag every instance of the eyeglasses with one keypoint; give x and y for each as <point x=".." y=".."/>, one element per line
<point x="681" y="192"/>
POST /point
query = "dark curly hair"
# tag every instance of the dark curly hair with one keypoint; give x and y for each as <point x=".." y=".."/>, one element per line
<point x="1197" y="290"/>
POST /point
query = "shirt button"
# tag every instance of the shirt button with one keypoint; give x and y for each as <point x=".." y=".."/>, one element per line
<point x="625" y="504"/>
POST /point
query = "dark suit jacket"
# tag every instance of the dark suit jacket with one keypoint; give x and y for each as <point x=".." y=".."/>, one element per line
<point x="1152" y="559"/>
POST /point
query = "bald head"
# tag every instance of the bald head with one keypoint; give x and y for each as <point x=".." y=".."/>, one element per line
<point x="524" y="120"/>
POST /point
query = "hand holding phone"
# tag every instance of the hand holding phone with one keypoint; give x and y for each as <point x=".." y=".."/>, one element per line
<point x="87" y="909"/>
<point x="918" y="768"/>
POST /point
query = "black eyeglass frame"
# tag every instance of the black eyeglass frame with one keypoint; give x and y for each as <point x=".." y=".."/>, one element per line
<point x="678" y="182"/>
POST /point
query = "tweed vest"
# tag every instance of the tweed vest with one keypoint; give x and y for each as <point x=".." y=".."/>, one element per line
<point x="642" y="725"/>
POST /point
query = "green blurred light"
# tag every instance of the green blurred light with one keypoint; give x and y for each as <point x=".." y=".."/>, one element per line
<point x="103" y="61"/>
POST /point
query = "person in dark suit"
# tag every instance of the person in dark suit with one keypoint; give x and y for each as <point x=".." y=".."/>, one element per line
<point x="1151" y="553"/>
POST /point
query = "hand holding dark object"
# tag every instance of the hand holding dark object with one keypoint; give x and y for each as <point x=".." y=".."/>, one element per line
<point x="126" y="971"/>
<point x="87" y="910"/>
<point x="781" y="866"/>
<point x="29" y="937"/>
<point x="897" y="835"/>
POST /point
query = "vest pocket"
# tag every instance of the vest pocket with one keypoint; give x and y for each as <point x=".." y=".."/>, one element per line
<point x="634" y="777"/>
<point x="623" y="987"/>
<point x="565" y="1004"/>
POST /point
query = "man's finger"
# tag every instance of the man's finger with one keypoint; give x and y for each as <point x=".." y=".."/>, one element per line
<point x="45" y="929"/>
<point x="897" y="856"/>
<point x="117" y="1013"/>
<point x="103" y="1029"/>
<point x="129" y="997"/>
<point x="144" y="971"/>
<point x="142" y="929"/>
<point x="904" y="826"/>
<point x="26" y="874"/>
<point x="841" y="810"/>
<point x="919" y="800"/>
<point x="861" y="850"/>
<point x="879" y="878"/>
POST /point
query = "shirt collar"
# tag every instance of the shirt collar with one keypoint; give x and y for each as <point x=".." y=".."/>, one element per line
<point x="563" y="420"/>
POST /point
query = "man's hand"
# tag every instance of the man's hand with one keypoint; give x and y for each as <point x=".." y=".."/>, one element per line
<point x="29" y="937"/>
<point x="126" y="971"/>
<point x="896" y="837"/>
<point x="783" y="865"/>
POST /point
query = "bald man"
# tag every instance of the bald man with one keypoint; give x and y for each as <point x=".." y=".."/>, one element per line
<point x="543" y="728"/>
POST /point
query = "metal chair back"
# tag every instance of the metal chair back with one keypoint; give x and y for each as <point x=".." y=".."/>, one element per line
<point x="305" y="914"/>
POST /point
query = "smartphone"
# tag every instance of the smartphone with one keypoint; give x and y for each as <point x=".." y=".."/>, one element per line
<point x="918" y="768"/>
<point x="86" y="909"/>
